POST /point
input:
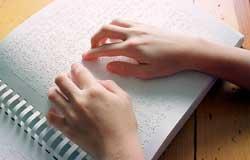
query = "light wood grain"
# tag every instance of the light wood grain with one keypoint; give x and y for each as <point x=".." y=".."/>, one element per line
<point x="223" y="128"/>
<point x="14" y="12"/>
<point x="242" y="10"/>
<point x="182" y="147"/>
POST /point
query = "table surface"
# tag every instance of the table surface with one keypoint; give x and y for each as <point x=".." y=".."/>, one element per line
<point x="220" y="127"/>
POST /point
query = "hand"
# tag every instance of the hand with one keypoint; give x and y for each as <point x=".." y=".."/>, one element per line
<point x="96" y="115"/>
<point x="157" y="54"/>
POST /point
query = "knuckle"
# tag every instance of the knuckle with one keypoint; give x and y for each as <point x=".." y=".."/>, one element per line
<point x="132" y="43"/>
<point x="79" y="101"/>
<point x="138" y="31"/>
<point x="138" y="42"/>
<point x="94" y="92"/>
<point x="110" y="82"/>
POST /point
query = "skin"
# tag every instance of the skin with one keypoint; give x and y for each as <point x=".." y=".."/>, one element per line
<point x="97" y="114"/>
<point x="82" y="110"/>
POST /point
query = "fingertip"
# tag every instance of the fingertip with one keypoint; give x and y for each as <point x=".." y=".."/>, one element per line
<point x="117" y="68"/>
<point x="60" y="78"/>
<point x="76" y="70"/>
<point x="89" y="57"/>
<point x="93" y="43"/>
<point x="52" y="94"/>
<point x="50" y="117"/>
<point x="54" y="110"/>
<point x="123" y="68"/>
<point x="110" y="67"/>
<point x="85" y="56"/>
<point x="55" y="119"/>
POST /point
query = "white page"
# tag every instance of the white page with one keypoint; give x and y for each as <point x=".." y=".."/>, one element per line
<point x="49" y="42"/>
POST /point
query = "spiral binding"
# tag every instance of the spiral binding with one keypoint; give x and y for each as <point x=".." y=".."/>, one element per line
<point x="35" y="124"/>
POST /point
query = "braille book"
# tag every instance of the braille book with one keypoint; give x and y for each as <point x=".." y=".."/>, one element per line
<point x="51" y="40"/>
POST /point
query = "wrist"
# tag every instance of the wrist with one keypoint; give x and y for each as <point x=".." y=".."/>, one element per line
<point x="189" y="52"/>
<point x="209" y="57"/>
<point x="197" y="56"/>
<point x="126" y="148"/>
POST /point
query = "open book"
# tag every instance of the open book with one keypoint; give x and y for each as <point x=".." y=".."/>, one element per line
<point x="54" y="38"/>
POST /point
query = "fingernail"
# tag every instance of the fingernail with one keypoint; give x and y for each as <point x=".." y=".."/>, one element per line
<point x="110" y="68"/>
<point x="88" y="57"/>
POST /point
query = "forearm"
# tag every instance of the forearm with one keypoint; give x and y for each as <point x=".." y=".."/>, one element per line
<point x="228" y="63"/>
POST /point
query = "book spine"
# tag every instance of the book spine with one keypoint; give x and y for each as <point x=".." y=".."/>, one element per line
<point x="35" y="124"/>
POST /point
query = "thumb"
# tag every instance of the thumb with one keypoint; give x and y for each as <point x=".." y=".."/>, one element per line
<point x="128" y="69"/>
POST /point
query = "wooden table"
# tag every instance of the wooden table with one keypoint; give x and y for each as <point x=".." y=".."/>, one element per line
<point x="220" y="127"/>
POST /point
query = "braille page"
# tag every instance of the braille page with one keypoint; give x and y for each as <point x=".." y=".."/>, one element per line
<point x="50" y="41"/>
<point x="8" y="153"/>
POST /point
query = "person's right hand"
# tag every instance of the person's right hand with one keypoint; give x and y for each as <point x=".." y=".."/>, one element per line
<point x="95" y="114"/>
<point x="158" y="54"/>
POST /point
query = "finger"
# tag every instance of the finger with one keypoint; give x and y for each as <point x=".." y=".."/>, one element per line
<point x="61" y="124"/>
<point x="108" y="31"/>
<point x="68" y="88"/>
<point x="82" y="76"/>
<point x="109" y="50"/>
<point x="125" y="23"/>
<point x="55" y="118"/>
<point x="60" y="102"/>
<point x="111" y="86"/>
<point x="57" y="98"/>
<point x="103" y="41"/>
<point x="122" y="23"/>
<point x="129" y="69"/>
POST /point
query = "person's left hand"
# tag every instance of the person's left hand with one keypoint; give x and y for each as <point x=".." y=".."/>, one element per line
<point x="157" y="54"/>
